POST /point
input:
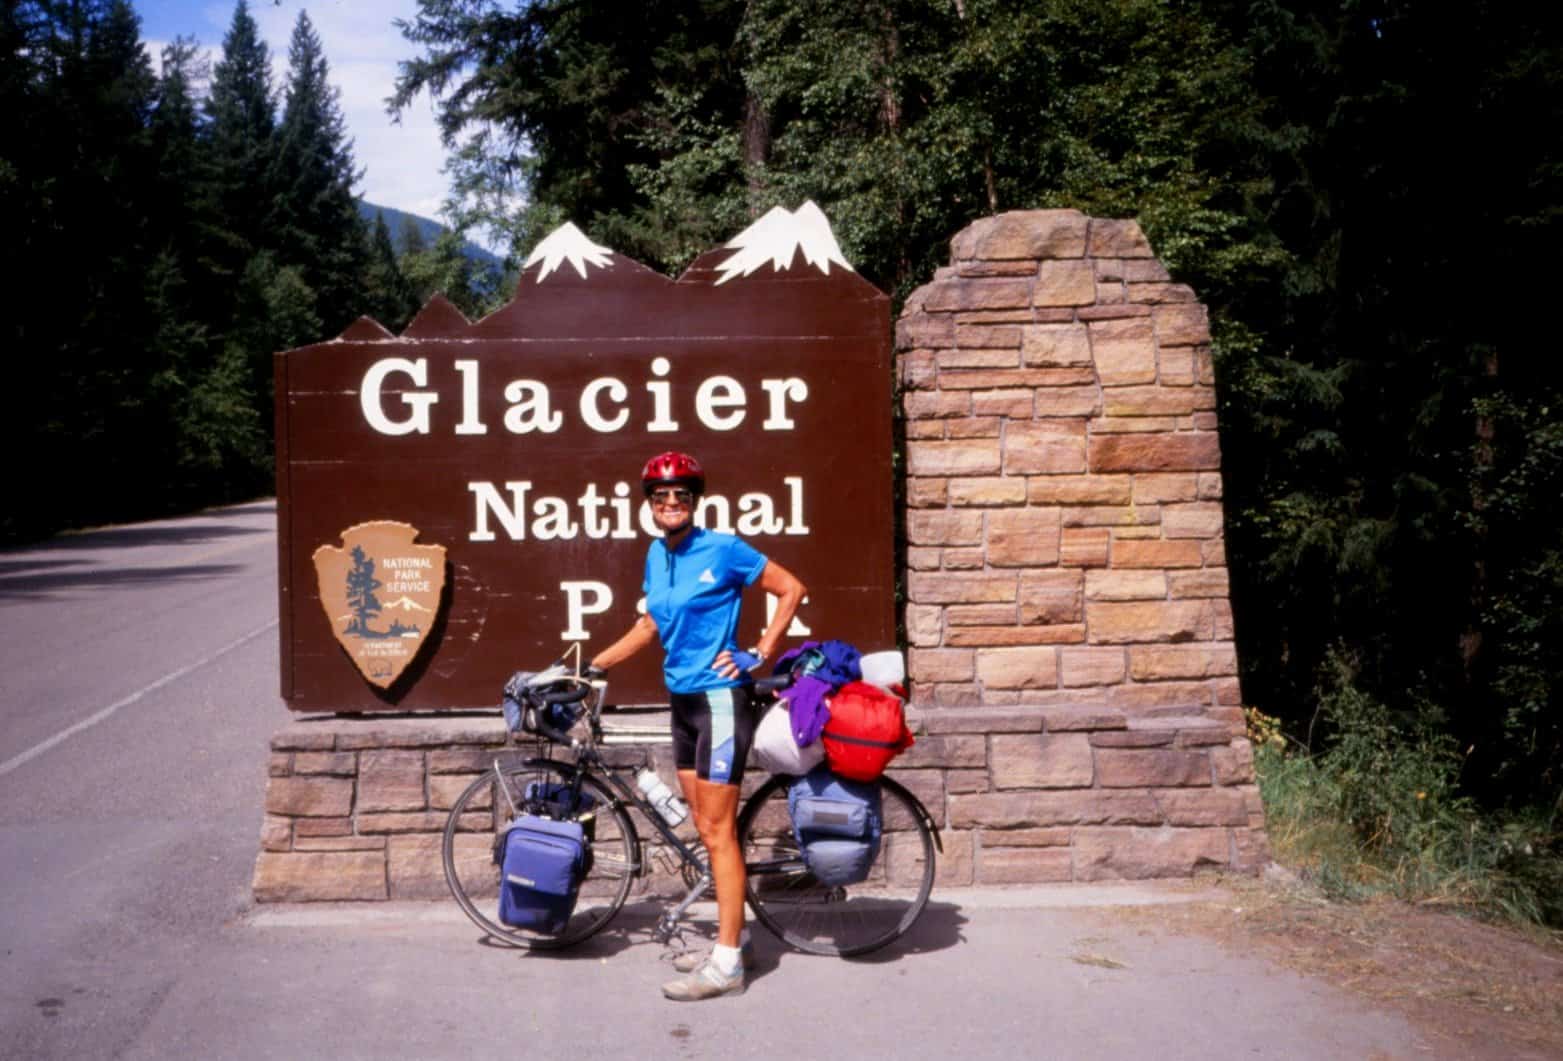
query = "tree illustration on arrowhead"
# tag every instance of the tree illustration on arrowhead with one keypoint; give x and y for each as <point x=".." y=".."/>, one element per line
<point x="361" y="585"/>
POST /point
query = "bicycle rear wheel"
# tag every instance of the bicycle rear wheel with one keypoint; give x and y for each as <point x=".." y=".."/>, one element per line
<point x="836" y="919"/>
<point x="476" y="827"/>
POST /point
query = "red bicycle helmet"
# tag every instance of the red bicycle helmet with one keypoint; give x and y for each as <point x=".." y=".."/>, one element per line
<point x="673" y="469"/>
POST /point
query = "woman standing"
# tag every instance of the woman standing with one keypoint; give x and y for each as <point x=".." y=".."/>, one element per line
<point x="694" y="586"/>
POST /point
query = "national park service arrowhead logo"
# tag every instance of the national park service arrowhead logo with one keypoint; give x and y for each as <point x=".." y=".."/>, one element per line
<point x="381" y="594"/>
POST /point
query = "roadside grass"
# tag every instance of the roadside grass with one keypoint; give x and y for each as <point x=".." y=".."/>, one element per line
<point x="1379" y="816"/>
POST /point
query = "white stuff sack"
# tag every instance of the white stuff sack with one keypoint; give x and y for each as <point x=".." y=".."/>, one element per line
<point x="776" y="752"/>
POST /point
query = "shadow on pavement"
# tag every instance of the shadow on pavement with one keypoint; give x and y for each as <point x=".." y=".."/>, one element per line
<point x="42" y="584"/>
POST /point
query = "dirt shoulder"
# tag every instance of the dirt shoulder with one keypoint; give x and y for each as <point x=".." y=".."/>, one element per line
<point x="1474" y="990"/>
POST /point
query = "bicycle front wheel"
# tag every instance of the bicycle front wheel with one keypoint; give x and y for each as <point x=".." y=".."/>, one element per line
<point x="476" y="828"/>
<point x="836" y="919"/>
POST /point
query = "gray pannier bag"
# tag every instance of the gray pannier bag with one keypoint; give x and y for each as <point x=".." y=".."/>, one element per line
<point x="837" y="825"/>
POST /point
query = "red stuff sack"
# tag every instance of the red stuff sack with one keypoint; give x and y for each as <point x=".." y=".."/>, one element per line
<point x="867" y="729"/>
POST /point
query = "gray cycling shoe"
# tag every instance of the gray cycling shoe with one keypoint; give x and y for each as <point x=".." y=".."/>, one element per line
<point x="691" y="960"/>
<point x="705" y="982"/>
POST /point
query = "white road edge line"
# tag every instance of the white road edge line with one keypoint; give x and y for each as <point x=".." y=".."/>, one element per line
<point x="92" y="720"/>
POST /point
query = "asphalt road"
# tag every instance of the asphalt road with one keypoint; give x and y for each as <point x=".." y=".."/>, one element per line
<point x="137" y="694"/>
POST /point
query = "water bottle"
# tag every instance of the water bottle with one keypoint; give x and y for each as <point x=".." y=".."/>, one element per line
<point x="661" y="797"/>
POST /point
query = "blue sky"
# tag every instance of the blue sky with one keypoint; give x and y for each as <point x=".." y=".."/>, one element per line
<point x="401" y="162"/>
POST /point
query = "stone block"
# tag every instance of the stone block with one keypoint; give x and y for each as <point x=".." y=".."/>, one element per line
<point x="390" y="780"/>
<point x="1140" y="854"/>
<point x="918" y="369"/>
<point x="1161" y="662"/>
<point x="979" y="293"/>
<point x="1012" y="636"/>
<point x="323" y="827"/>
<point x="340" y="843"/>
<point x="970" y="457"/>
<point x="1250" y="850"/>
<point x="1129" y="553"/>
<point x="1115" y="238"/>
<point x="1155" y="400"/>
<point x="1068" y="401"/>
<point x="973" y="427"/>
<point x="1035" y="234"/>
<point x="1022" y="537"/>
<point x="1110" y="516"/>
<point x="1127" y="622"/>
<point x="966" y="781"/>
<point x="924" y="624"/>
<point x="954" y="695"/>
<point x="1213" y="552"/>
<point x="1047" y="379"/>
<point x="927" y="785"/>
<point x="1065" y="283"/>
<point x="1111" y="312"/>
<point x="1134" y="738"/>
<point x="999" y="343"/>
<point x="976" y="267"/>
<point x="414" y="867"/>
<point x="319" y="876"/>
<point x="943" y="528"/>
<point x="932" y="588"/>
<point x="309" y="797"/>
<point x="1051" y="598"/>
<point x="1210" y="486"/>
<point x="980" y="614"/>
<point x="1177" y="366"/>
<point x="941" y="665"/>
<point x="1197" y="519"/>
<point x="1085" y="667"/>
<point x="337" y="764"/>
<point x="1021" y="809"/>
<point x="445" y="788"/>
<point x="1158" y="294"/>
<point x="414" y="822"/>
<point x="1171" y="695"/>
<point x="989" y="491"/>
<point x="1084" y="546"/>
<point x="968" y="558"/>
<point x="1124" y="351"/>
<point x="944" y="751"/>
<point x="276" y="833"/>
<point x="929" y="331"/>
<point x="1023" y="865"/>
<point x="1040" y="760"/>
<point x="1055" y="345"/>
<point x="1151" y="767"/>
<point x="982" y="720"/>
<point x="1234" y="764"/>
<point x="1202" y="807"/>
<point x="927" y="492"/>
<point x="924" y="558"/>
<point x="1180" y="451"/>
<point x="304" y="736"/>
<point x="1078" y="489"/>
<point x="903" y="857"/>
<point x="1182" y="325"/>
<point x="924" y="405"/>
<point x="1125" y="585"/>
<point x="1156" y="488"/>
<point x="1032" y="667"/>
<point x="1045" y="447"/>
<point x="1016" y="404"/>
<point x="474" y="860"/>
<point x="1057" y="836"/>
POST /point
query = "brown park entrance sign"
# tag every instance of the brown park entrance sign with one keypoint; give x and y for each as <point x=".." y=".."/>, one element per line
<point x="515" y="443"/>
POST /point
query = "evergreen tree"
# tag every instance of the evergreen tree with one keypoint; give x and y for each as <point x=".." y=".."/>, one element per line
<point x="242" y="123"/>
<point x="388" y="296"/>
<point x="317" y="226"/>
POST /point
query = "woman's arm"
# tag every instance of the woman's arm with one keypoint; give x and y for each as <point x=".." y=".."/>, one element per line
<point x="639" y="636"/>
<point x="789" y="593"/>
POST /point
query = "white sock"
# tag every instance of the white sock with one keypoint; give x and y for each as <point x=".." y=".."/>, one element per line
<point x="726" y="959"/>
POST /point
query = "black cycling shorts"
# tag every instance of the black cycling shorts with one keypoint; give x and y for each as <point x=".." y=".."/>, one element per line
<point x="712" y="733"/>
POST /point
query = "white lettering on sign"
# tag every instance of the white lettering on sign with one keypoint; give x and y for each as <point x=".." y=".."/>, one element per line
<point x="374" y="411"/>
<point x="720" y="402"/>
<point x="582" y="599"/>
<point x="715" y="394"/>
<point x="522" y="516"/>
<point x="794" y="628"/>
<point x="591" y="414"/>
<point x="529" y="409"/>
<point x="470" y="424"/>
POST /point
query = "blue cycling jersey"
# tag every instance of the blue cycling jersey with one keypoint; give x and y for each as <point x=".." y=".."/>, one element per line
<point x="693" y="593"/>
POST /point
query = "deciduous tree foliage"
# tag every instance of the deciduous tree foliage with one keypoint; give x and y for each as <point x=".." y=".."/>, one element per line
<point x="1342" y="183"/>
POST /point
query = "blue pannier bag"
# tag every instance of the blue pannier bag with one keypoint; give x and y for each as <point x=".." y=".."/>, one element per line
<point x="541" y="866"/>
<point x="837" y="825"/>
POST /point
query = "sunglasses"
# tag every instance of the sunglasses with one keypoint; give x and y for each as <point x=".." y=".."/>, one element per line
<point x="670" y="495"/>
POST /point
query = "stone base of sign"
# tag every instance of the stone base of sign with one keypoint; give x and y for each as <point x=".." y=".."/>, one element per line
<point x="1022" y="794"/>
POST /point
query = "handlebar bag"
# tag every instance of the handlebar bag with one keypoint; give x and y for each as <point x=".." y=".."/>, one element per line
<point x="775" y="749"/>
<point x="837" y="824"/>
<point x="541" y="867"/>
<point x="867" y="729"/>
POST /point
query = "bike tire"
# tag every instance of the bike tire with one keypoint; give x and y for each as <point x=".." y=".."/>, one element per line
<point x="836" y="920"/>
<point x="477" y="820"/>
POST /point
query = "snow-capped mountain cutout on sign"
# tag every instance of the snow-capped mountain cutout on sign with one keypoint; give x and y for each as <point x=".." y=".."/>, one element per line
<point x="568" y="243"/>
<point x="777" y="236"/>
